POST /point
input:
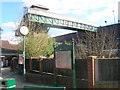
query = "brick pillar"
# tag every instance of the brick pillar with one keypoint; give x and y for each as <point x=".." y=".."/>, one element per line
<point x="91" y="68"/>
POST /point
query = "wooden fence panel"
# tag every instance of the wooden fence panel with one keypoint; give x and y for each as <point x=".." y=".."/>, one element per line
<point x="35" y="64"/>
<point x="47" y="65"/>
<point x="107" y="73"/>
<point x="107" y="70"/>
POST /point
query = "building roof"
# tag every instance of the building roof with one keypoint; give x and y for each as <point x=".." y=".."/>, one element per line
<point x="39" y="7"/>
<point x="7" y="45"/>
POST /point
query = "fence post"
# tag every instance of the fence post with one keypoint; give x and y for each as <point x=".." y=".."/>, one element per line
<point x="73" y="64"/>
<point x="31" y="63"/>
<point x="40" y="65"/>
<point x="54" y="67"/>
<point x="91" y="71"/>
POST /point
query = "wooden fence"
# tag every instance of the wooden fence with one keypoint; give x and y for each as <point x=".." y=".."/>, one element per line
<point x="103" y="72"/>
<point x="46" y="66"/>
<point x="98" y="72"/>
<point x="107" y="70"/>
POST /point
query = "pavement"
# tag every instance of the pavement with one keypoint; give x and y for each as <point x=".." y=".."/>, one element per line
<point x="6" y="73"/>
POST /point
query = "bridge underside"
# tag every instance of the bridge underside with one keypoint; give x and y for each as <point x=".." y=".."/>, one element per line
<point x="44" y="23"/>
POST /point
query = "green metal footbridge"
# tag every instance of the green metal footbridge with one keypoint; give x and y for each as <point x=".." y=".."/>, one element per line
<point x="45" y="17"/>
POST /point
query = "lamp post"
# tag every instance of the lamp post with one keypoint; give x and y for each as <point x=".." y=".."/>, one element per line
<point x="0" y="51"/>
<point x="24" y="31"/>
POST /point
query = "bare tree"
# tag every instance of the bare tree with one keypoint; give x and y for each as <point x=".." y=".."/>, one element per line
<point x="100" y="43"/>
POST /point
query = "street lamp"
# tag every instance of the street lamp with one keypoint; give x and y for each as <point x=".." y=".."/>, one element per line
<point x="24" y="31"/>
<point x="106" y="23"/>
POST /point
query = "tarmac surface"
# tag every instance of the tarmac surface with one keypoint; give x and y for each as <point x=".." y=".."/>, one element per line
<point x="6" y="73"/>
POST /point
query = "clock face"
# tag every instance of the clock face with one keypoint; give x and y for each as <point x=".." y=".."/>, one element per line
<point x="24" y="30"/>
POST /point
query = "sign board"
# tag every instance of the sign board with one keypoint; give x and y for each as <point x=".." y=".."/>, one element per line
<point x="20" y="61"/>
<point x="63" y="59"/>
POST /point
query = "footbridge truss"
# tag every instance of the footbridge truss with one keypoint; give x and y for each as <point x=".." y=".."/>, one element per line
<point x="55" y="20"/>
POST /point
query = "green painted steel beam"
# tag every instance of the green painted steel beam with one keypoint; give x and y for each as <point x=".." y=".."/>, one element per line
<point x="44" y="87"/>
<point x="61" y="23"/>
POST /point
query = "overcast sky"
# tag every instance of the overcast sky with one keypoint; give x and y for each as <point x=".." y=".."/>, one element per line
<point x="95" y="11"/>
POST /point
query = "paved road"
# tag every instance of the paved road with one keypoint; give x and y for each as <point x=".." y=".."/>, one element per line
<point x="19" y="78"/>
